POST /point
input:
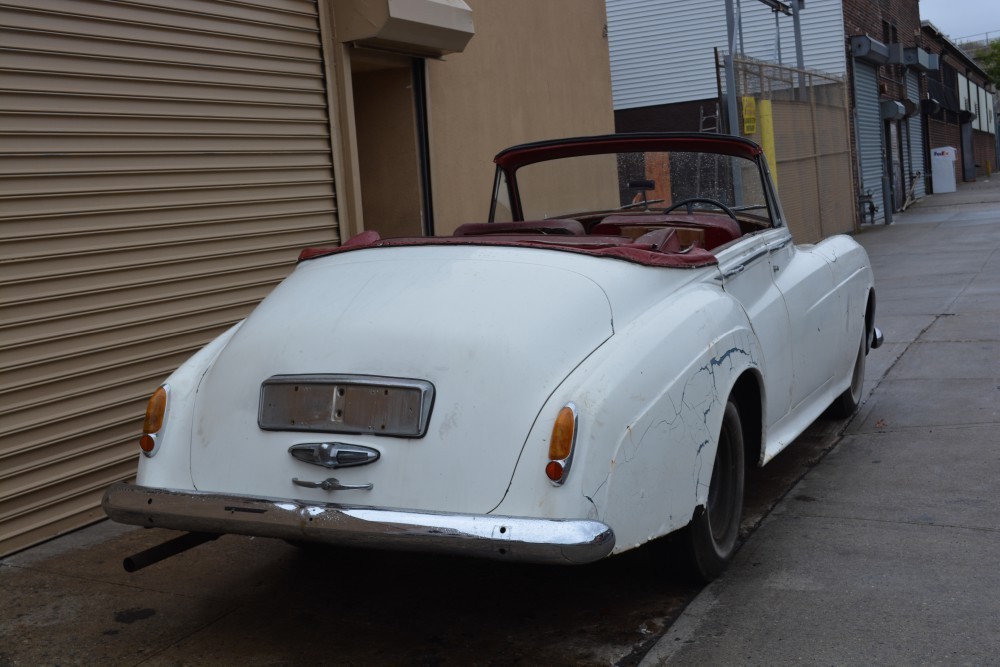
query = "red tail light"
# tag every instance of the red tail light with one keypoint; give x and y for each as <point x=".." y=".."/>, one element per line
<point x="151" y="426"/>
<point x="561" y="444"/>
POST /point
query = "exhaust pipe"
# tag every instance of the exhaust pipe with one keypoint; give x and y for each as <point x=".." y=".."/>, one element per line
<point x="166" y="550"/>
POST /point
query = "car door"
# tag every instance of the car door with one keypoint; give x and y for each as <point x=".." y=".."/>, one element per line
<point x="747" y="275"/>
<point x="806" y="281"/>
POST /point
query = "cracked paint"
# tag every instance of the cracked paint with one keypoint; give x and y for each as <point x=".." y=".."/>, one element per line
<point x="661" y="454"/>
<point x="712" y="400"/>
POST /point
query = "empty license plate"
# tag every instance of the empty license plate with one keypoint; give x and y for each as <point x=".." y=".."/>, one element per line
<point x="346" y="404"/>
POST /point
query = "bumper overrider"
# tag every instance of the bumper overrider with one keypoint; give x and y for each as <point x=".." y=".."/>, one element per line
<point x="482" y="535"/>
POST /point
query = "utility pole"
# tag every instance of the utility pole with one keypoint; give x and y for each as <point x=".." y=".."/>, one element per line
<point x="799" y="59"/>
<point x="734" y="25"/>
<point x="732" y="111"/>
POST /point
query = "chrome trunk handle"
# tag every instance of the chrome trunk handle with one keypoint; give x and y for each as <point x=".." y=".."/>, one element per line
<point x="332" y="484"/>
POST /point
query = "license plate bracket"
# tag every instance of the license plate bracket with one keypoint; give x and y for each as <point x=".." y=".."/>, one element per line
<point x="353" y="404"/>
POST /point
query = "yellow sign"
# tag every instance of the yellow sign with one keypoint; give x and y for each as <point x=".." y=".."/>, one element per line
<point x="749" y="115"/>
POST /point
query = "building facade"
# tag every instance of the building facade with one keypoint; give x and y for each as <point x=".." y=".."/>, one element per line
<point x="889" y="125"/>
<point x="665" y="76"/>
<point x="962" y="115"/>
<point x="163" y="164"/>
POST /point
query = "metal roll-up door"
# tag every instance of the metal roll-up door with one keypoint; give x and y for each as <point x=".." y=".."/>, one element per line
<point x="916" y="132"/>
<point x="161" y="165"/>
<point x="869" y="128"/>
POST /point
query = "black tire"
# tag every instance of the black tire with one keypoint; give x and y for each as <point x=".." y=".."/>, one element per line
<point x="847" y="403"/>
<point x="713" y="532"/>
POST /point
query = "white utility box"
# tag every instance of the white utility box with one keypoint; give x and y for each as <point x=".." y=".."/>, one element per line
<point x="943" y="169"/>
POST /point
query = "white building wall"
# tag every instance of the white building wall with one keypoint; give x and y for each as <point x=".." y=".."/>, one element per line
<point x="662" y="50"/>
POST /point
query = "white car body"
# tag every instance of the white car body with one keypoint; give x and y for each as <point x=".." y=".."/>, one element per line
<point x="507" y="335"/>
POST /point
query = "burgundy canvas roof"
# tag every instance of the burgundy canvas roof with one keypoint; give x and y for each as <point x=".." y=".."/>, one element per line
<point x="596" y="246"/>
<point x="518" y="156"/>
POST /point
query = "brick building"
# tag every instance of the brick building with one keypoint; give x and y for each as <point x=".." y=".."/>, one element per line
<point x="963" y="115"/>
<point x="886" y="69"/>
<point x="942" y="91"/>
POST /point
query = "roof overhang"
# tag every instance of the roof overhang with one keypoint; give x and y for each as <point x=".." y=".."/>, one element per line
<point x="892" y="110"/>
<point x="913" y="57"/>
<point x="869" y="50"/>
<point x="423" y="28"/>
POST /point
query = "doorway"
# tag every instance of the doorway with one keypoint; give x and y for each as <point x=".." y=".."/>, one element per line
<point x="390" y="114"/>
<point x="894" y="164"/>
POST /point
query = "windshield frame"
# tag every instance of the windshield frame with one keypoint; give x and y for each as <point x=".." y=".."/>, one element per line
<point x="510" y="160"/>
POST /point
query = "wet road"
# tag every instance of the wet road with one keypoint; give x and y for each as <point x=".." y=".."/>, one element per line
<point x="248" y="601"/>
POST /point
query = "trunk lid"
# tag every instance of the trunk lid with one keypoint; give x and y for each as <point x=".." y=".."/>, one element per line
<point x="493" y="330"/>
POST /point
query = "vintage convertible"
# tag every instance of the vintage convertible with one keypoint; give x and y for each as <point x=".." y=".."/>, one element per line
<point x="593" y="368"/>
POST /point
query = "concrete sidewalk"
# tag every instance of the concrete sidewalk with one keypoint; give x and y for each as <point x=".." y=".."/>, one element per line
<point x="886" y="553"/>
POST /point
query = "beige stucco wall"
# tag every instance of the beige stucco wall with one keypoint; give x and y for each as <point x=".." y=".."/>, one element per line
<point x="534" y="70"/>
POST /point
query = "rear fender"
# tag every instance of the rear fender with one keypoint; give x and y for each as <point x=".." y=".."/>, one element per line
<point x="650" y="404"/>
<point x="170" y="467"/>
<point x="663" y="463"/>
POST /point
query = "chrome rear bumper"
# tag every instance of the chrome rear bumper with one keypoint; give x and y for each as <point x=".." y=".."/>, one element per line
<point x="482" y="535"/>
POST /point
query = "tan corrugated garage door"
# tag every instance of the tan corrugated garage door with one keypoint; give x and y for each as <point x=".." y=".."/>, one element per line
<point x="161" y="165"/>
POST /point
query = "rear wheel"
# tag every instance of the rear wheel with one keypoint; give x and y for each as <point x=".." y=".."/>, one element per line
<point x="712" y="534"/>
<point x="847" y="403"/>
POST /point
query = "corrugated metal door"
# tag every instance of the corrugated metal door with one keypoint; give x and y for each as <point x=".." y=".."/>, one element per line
<point x="161" y="165"/>
<point x="869" y="127"/>
<point x="916" y="135"/>
<point x="662" y="52"/>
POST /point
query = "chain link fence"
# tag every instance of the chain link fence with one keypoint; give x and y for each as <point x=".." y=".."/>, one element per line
<point x="801" y="118"/>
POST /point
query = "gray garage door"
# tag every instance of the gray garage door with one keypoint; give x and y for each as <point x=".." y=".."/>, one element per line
<point x="161" y="164"/>
<point x="916" y="136"/>
<point x="869" y="127"/>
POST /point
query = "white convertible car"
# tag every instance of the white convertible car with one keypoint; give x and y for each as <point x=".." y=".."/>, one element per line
<point x="593" y="368"/>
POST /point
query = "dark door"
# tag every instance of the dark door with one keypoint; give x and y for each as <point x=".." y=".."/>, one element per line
<point x="968" y="153"/>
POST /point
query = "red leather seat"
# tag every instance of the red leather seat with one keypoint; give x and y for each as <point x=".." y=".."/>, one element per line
<point x="663" y="240"/>
<point x="718" y="229"/>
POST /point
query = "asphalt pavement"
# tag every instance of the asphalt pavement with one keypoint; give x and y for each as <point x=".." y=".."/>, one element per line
<point x="888" y="551"/>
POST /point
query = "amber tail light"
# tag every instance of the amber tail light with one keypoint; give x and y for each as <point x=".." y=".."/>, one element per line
<point x="561" y="444"/>
<point x="151" y="426"/>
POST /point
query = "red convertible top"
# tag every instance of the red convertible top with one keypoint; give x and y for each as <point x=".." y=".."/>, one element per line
<point x="517" y="156"/>
<point x="616" y="247"/>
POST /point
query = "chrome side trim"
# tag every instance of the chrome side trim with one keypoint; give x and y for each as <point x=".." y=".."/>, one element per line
<point x="745" y="262"/>
<point x="481" y="535"/>
<point x="778" y="245"/>
<point x="740" y="268"/>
